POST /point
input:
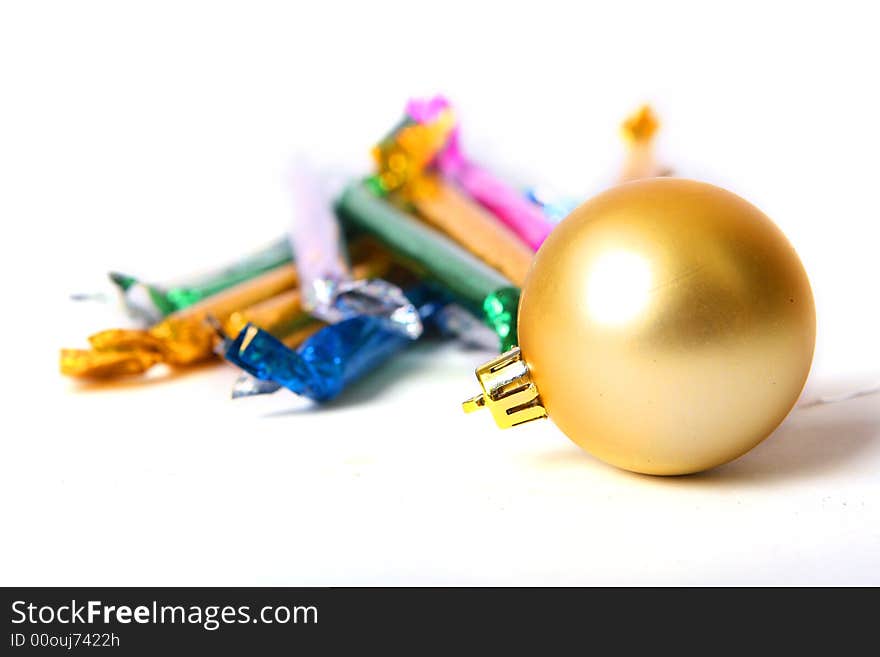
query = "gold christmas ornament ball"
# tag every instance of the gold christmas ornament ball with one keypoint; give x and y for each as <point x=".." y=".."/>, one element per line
<point x="667" y="325"/>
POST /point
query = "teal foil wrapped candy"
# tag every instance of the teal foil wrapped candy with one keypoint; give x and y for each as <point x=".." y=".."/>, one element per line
<point x="472" y="283"/>
<point x="151" y="302"/>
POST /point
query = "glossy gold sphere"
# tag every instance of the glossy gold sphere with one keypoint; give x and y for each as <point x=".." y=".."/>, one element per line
<point x="668" y="325"/>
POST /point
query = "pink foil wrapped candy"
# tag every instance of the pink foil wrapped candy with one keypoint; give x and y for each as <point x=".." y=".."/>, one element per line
<point x="508" y="204"/>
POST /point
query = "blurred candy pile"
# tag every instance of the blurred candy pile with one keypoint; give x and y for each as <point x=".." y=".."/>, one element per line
<point x="431" y="242"/>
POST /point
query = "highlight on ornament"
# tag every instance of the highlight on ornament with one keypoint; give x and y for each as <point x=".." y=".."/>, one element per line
<point x="664" y="325"/>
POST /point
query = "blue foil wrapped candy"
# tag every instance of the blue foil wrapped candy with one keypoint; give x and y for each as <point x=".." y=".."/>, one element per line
<point x="331" y="359"/>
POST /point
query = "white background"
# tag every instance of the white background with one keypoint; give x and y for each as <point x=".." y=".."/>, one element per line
<point x="155" y="138"/>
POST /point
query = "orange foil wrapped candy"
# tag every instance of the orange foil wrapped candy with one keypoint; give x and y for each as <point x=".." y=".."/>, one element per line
<point x="639" y="131"/>
<point x="186" y="337"/>
<point x="442" y="205"/>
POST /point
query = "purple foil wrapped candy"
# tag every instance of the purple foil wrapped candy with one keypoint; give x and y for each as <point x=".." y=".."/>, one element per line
<point x="325" y="280"/>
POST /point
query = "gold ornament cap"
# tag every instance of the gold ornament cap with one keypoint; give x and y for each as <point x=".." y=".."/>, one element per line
<point x="508" y="391"/>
